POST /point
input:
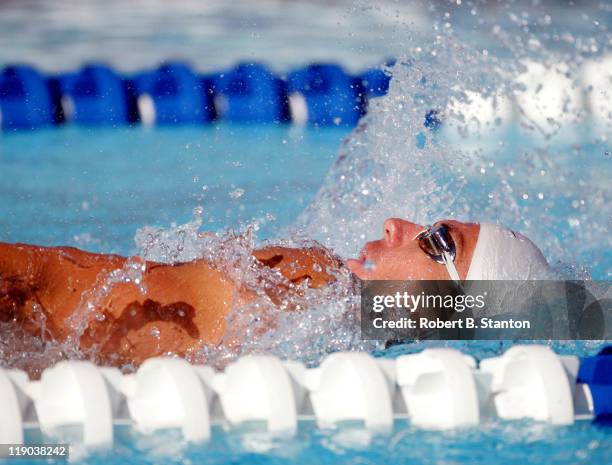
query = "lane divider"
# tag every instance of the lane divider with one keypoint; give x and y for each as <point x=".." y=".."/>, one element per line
<point x="594" y="386"/>
<point x="174" y="94"/>
<point x="320" y="94"/>
<point x="435" y="389"/>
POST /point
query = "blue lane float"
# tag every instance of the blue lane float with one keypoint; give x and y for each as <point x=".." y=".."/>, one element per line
<point x="96" y="95"/>
<point x="174" y="94"/>
<point x="375" y="82"/>
<point x="250" y="93"/>
<point x="25" y="99"/>
<point x="596" y="372"/>
<point x="332" y="97"/>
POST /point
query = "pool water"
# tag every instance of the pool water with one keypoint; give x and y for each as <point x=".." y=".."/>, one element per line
<point x="97" y="188"/>
<point x="94" y="188"/>
<point x="508" y="443"/>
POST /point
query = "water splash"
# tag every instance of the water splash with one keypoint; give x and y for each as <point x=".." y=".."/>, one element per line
<point x="306" y="324"/>
<point x="131" y="273"/>
<point x="481" y="166"/>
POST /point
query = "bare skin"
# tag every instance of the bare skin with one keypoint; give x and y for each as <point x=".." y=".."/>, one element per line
<point x="185" y="304"/>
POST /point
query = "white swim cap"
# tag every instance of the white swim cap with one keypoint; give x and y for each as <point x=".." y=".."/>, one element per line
<point x="501" y="254"/>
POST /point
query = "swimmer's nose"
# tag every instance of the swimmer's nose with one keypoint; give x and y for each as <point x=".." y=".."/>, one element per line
<point x="393" y="231"/>
<point x="397" y="230"/>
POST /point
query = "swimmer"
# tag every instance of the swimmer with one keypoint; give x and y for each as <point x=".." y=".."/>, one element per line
<point x="186" y="304"/>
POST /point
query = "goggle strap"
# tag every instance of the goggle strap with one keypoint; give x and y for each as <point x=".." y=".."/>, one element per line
<point x="451" y="268"/>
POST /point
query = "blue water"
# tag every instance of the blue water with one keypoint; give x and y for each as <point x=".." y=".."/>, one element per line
<point x="95" y="188"/>
<point x="503" y="443"/>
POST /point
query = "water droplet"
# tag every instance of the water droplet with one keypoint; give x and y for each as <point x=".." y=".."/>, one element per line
<point x="237" y="193"/>
<point x="155" y="332"/>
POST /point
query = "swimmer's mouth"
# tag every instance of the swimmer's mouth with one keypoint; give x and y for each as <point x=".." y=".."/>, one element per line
<point x="357" y="265"/>
<point x="361" y="259"/>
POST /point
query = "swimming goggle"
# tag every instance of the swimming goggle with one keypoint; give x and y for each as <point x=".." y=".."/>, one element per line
<point x="438" y="244"/>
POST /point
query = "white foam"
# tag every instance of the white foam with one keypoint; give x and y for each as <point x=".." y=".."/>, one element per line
<point x="551" y="98"/>
<point x="478" y="114"/>
<point x="597" y="80"/>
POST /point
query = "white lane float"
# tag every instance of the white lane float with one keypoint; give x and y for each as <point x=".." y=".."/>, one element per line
<point x="533" y="382"/>
<point x="298" y="108"/>
<point x="440" y="388"/>
<point x="351" y="387"/>
<point x="433" y="389"/>
<point x="146" y="109"/>
<point x="74" y="393"/>
<point x="170" y="393"/>
<point x="260" y="388"/>
<point x="13" y="405"/>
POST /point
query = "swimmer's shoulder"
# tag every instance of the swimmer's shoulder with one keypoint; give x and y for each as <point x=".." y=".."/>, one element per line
<point x="38" y="253"/>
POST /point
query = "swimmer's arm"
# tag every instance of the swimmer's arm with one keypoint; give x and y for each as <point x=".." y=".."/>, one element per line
<point x="18" y="276"/>
<point x="50" y="280"/>
<point x="19" y="261"/>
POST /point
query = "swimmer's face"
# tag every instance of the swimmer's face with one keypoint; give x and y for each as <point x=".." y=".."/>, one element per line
<point x="398" y="255"/>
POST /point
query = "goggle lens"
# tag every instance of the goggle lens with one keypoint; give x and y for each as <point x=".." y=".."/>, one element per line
<point x="437" y="240"/>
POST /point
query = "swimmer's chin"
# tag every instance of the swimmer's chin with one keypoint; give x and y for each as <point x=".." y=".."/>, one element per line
<point x="357" y="268"/>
